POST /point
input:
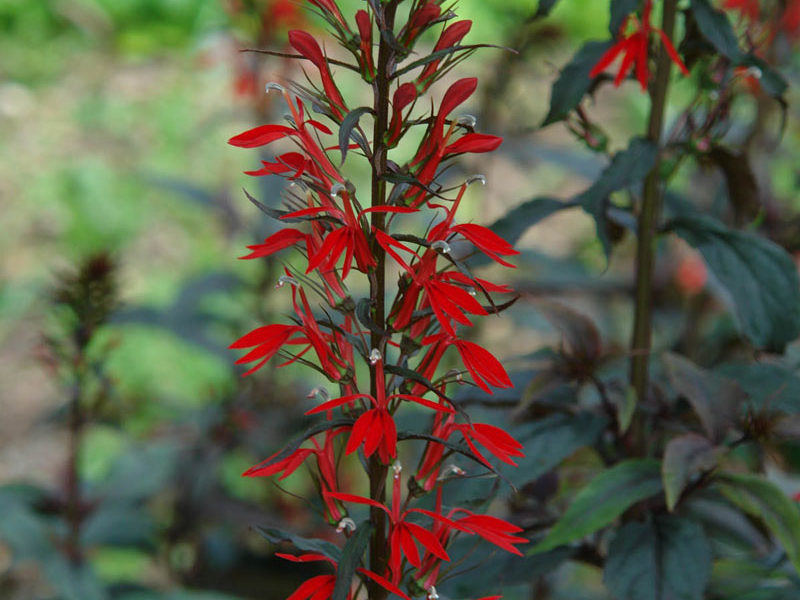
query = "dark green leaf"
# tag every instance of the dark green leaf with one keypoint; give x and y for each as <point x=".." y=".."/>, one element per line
<point x="620" y="9"/>
<point x="685" y="457"/>
<point x="346" y="129"/>
<point x="520" y="218"/>
<point x="665" y="558"/>
<point x="716" y="28"/>
<point x="544" y="9"/>
<point x="628" y="167"/>
<point x="351" y="559"/>
<point x="723" y="522"/>
<point x="552" y="439"/>
<point x="118" y="525"/>
<point x="771" y="386"/>
<point x="605" y="498"/>
<point x="714" y="399"/>
<point x="573" y="82"/>
<point x="278" y="536"/>
<point x="760" y="277"/>
<point x="73" y="582"/>
<point x="764" y="500"/>
<point x="141" y="471"/>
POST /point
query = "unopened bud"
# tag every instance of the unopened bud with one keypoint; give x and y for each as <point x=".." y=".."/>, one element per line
<point x="474" y="178"/>
<point x="346" y="523"/>
<point x="375" y="356"/>
<point x="441" y="245"/>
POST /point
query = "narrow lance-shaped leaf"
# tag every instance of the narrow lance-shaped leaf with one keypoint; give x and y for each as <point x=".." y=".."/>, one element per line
<point x="628" y="167"/>
<point x="620" y="9"/>
<point x="520" y="218"/>
<point x="351" y="560"/>
<point x="664" y="558"/>
<point x="716" y="28"/>
<point x="573" y="82"/>
<point x="543" y="9"/>
<point x="764" y="500"/>
<point x="346" y="130"/>
<point x="605" y="498"/>
<point x="759" y="277"/>
<point x="279" y="536"/>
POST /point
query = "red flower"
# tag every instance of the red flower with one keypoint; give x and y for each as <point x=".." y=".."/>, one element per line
<point x="306" y="45"/>
<point x="321" y="587"/>
<point x="375" y="428"/>
<point x="437" y="146"/>
<point x="485" y="369"/>
<point x="451" y="36"/>
<point x="267" y="341"/>
<point x="404" y="535"/>
<point x="634" y="49"/>
<point x="448" y="301"/>
<point x="326" y="469"/>
<point x="314" y="160"/>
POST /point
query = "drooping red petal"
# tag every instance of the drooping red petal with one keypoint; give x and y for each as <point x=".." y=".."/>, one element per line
<point x="276" y="242"/>
<point x="383" y="582"/>
<point x="261" y="136"/>
<point x="475" y="143"/>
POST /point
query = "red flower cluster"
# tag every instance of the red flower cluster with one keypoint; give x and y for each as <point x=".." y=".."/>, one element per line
<point x="337" y="235"/>
<point x="634" y="46"/>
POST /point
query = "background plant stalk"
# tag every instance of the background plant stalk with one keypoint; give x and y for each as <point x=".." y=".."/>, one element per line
<point x="649" y="216"/>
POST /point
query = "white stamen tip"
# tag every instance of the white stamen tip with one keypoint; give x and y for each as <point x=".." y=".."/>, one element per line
<point x="337" y="189"/>
<point x="432" y="595"/>
<point x="319" y="391"/>
<point x="441" y="245"/>
<point x="397" y="468"/>
<point x="478" y="177"/>
<point x="375" y="356"/>
<point x="346" y="523"/>
<point x="754" y="72"/>
<point x="273" y="86"/>
<point x="471" y="291"/>
<point x="284" y="279"/>
<point x="467" y="121"/>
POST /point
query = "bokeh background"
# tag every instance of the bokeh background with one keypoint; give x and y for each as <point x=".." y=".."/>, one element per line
<point x="114" y="116"/>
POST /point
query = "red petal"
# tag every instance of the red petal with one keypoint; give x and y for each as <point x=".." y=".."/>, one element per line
<point x="475" y="143"/>
<point x="383" y="582"/>
<point x="260" y="136"/>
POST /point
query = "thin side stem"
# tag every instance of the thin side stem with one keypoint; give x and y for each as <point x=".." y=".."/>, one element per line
<point x="649" y="216"/>
<point x="378" y="551"/>
<point x="73" y="504"/>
